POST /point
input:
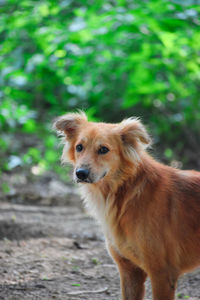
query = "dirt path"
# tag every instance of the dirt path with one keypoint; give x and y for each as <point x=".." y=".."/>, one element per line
<point x="57" y="252"/>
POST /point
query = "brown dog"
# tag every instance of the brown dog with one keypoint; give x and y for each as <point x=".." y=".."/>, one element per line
<point x="150" y="213"/>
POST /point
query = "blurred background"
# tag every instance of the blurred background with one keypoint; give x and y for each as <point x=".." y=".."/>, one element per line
<point x="113" y="59"/>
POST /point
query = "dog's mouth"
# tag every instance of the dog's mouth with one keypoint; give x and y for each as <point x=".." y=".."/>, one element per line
<point x="84" y="180"/>
<point x="104" y="174"/>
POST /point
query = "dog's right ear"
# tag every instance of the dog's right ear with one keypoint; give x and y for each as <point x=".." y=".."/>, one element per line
<point x="69" y="123"/>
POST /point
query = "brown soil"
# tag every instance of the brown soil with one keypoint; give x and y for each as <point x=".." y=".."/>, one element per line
<point x="51" y="249"/>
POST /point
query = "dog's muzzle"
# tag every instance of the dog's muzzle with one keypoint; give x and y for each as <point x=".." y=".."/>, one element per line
<point x="84" y="175"/>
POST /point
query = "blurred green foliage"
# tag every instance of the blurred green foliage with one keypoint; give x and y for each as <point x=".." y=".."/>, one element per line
<point x="111" y="58"/>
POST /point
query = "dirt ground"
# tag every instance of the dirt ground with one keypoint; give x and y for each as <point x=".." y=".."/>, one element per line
<point x="51" y="249"/>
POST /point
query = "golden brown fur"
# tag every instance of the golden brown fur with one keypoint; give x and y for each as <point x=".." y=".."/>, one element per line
<point x="149" y="212"/>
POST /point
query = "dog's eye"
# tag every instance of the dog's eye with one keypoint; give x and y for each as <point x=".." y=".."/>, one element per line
<point x="103" y="150"/>
<point x="79" y="147"/>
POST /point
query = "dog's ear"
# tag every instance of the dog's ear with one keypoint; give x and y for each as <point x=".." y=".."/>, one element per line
<point x="134" y="133"/>
<point x="69" y="123"/>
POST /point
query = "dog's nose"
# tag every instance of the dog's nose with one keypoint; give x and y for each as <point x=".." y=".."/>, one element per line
<point x="82" y="173"/>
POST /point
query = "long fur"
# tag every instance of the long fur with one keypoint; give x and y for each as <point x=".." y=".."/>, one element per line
<point x="149" y="212"/>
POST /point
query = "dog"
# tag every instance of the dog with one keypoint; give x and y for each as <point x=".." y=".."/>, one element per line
<point x="149" y="212"/>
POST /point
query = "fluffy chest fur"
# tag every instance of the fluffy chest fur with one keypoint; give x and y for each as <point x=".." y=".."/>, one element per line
<point x="109" y="215"/>
<point x="102" y="208"/>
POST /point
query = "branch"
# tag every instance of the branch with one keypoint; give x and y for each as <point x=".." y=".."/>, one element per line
<point x="87" y="292"/>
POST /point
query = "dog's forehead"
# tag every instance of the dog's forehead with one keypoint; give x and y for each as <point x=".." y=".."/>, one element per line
<point x="96" y="133"/>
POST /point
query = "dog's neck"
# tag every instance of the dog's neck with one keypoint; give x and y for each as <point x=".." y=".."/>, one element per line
<point x="108" y="200"/>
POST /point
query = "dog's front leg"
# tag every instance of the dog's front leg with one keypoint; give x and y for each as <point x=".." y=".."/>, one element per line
<point x="164" y="284"/>
<point x="132" y="278"/>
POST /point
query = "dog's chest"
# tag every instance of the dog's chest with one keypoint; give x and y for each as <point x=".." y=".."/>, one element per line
<point x="105" y="213"/>
<point x="102" y="209"/>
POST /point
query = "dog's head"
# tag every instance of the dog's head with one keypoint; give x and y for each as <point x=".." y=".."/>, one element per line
<point x="101" y="150"/>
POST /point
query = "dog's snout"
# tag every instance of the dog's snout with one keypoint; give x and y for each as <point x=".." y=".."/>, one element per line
<point x="82" y="173"/>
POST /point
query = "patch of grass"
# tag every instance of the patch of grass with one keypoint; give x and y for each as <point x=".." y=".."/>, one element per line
<point x="5" y="188"/>
<point x="95" y="261"/>
<point x="76" y="284"/>
<point x="182" y="296"/>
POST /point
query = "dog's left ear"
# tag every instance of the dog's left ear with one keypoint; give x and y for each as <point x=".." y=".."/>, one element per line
<point x="134" y="133"/>
<point x="69" y="123"/>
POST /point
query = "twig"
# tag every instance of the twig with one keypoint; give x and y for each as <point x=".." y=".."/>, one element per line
<point x="87" y="292"/>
